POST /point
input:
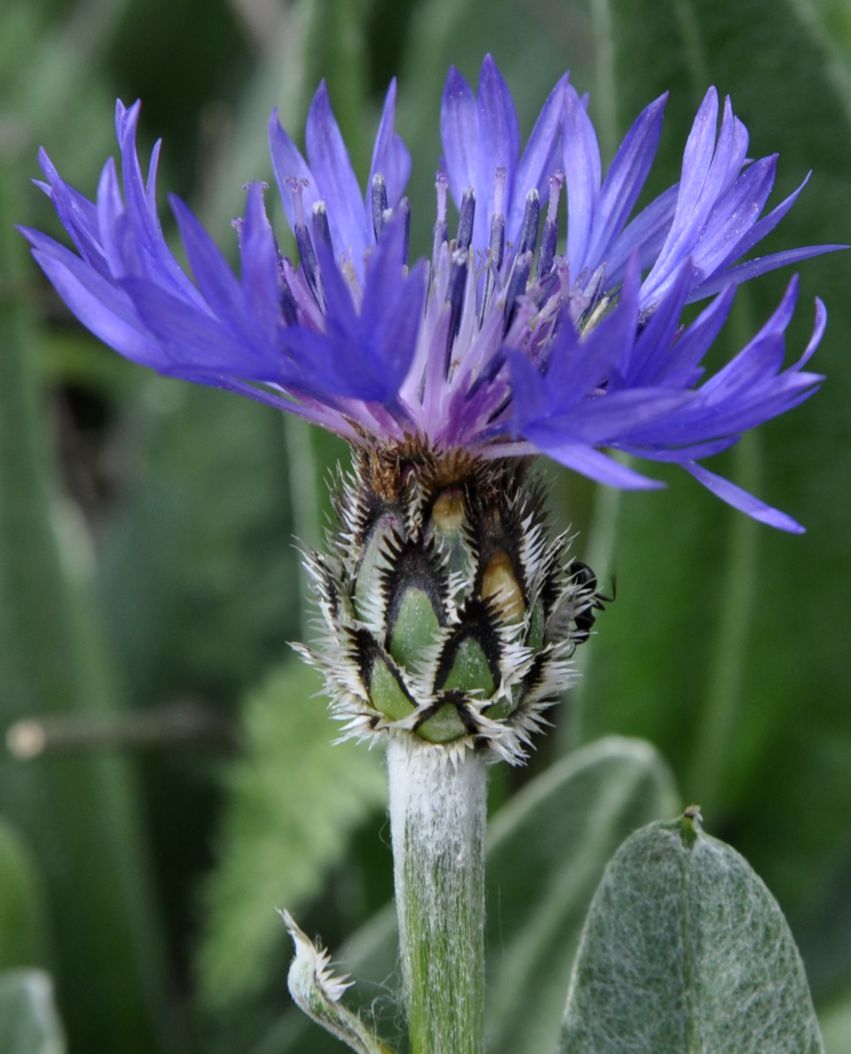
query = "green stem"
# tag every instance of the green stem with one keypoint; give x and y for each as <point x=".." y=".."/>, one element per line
<point x="438" y="817"/>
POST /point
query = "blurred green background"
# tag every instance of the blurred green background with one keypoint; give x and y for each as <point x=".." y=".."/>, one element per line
<point x="183" y="784"/>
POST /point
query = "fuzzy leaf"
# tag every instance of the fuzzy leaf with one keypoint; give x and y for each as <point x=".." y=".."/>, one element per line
<point x="548" y="848"/>
<point x="685" y="949"/>
<point x="28" y="1020"/>
<point x="294" y="799"/>
<point x="746" y="713"/>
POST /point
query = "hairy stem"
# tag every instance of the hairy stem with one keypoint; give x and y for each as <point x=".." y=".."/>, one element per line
<point x="438" y="817"/>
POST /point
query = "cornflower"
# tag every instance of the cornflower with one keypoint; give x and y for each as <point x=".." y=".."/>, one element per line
<point x="450" y="618"/>
<point x="448" y="612"/>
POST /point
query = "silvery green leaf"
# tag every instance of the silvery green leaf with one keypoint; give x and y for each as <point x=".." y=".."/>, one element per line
<point x="547" y="851"/>
<point x="685" y="949"/>
<point x="548" y="848"/>
<point x="28" y="1020"/>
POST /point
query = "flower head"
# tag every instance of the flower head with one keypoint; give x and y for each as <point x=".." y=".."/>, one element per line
<point x="516" y="337"/>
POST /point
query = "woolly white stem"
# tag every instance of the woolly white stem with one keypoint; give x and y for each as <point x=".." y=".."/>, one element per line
<point x="438" y="815"/>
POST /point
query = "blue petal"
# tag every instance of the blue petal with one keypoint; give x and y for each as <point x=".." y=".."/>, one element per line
<point x="625" y="180"/>
<point x="392" y="307"/>
<point x="743" y="501"/>
<point x="192" y="340"/>
<point x="499" y="143"/>
<point x="261" y="285"/>
<point x="289" y="166"/>
<point x="459" y="133"/>
<point x="590" y="462"/>
<point x="390" y="157"/>
<point x="582" y="169"/>
<point x="760" y="265"/>
<point x="538" y="161"/>
<point x="96" y="302"/>
<point x="76" y="212"/>
<point x="731" y="220"/>
<point x="329" y="161"/>
<point x="215" y="279"/>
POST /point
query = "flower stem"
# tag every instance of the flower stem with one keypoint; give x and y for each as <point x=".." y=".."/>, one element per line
<point x="438" y="814"/>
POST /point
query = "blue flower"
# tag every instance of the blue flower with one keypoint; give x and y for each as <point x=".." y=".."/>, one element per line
<point x="516" y="337"/>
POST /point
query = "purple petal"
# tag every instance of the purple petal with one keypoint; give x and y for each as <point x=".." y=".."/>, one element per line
<point x="766" y="225"/>
<point x="93" y="300"/>
<point x="730" y="221"/>
<point x="212" y="273"/>
<point x="261" y="285"/>
<point x="392" y="307"/>
<point x="609" y="419"/>
<point x="539" y="159"/>
<point x="582" y="171"/>
<point x="652" y="352"/>
<point x="289" y="165"/>
<point x="743" y="501"/>
<point x="459" y="133"/>
<point x="500" y="134"/>
<point x="644" y="235"/>
<point x="761" y="265"/>
<point x="590" y="462"/>
<point x="76" y="212"/>
<point x="815" y="339"/>
<point x="329" y="161"/>
<point x="192" y="340"/>
<point x="390" y="157"/>
<point x="692" y="345"/>
<point x="625" y="179"/>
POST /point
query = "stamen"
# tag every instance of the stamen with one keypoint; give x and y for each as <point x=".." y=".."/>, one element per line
<point x="441" y="232"/>
<point x="455" y="296"/>
<point x="549" y="238"/>
<point x="488" y="374"/>
<point x="531" y="217"/>
<point x="595" y="286"/>
<point x="517" y="284"/>
<point x="308" y="259"/>
<point x="497" y="232"/>
<point x="466" y="217"/>
<point x="287" y="302"/>
<point x="297" y="186"/>
<point x="379" y="203"/>
<point x="302" y="237"/>
<point x="321" y="230"/>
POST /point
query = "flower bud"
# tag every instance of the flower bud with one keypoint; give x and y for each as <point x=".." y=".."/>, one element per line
<point x="449" y="616"/>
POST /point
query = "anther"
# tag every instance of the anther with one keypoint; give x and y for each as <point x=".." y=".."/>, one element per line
<point x="455" y="296"/>
<point x="321" y="230"/>
<point x="288" y="305"/>
<point x="550" y="236"/>
<point x="441" y="234"/>
<point x="466" y="216"/>
<point x="297" y="187"/>
<point x="517" y="284"/>
<point x="529" y="227"/>
<point x="308" y="259"/>
<point x="379" y="203"/>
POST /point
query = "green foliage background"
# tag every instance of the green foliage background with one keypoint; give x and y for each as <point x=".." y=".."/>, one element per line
<point x="149" y="586"/>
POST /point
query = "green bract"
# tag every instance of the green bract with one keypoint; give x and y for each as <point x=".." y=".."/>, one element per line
<point x="448" y="613"/>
